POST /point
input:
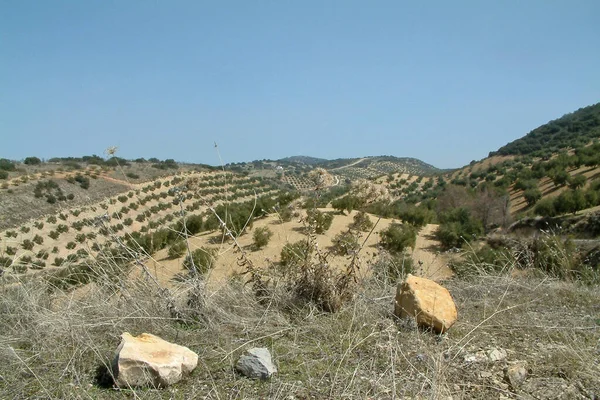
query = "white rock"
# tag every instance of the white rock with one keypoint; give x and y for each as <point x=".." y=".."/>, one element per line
<point x="257" y="364"/>
<point x="147" y="360"/>
<point x="497" y="355"/>
<point x="478" y="357"/>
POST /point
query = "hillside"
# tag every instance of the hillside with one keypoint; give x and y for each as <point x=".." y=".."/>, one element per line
<point x="572" y="130"/>
<point x="553" y="170"/>
<point x="221" y="260"/>
<point x="371" y="167"/>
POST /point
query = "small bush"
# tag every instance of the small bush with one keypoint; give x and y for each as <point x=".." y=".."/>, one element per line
<point x="532" y="196"/>
<point x="27" y="244"/>
<point x="61" y="228"/>
<point x="319" y="220"/>
<point x="261" y="237"/>
<point x="71" y="245"/>
<point x="32" y="161"/>
<point x="43" y="254"/>
<point x="177" y="249"/>
<point x="203" y="260"/>
<point x="362" y="222"/>
<point x="397" y="237"/>
<point x="296" y="253"/>
<point x="37" y="239"/>
<point x="345" y="243"/>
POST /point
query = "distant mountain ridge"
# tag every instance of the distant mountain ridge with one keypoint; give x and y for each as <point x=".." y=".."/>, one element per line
<point x="365" y="167"/>
<point x="303" y="160"/>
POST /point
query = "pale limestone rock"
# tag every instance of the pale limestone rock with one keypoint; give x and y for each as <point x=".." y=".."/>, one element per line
<point x="428" y="302"/>
<point x="147" y="360"/>
<point x="497" y="355"/>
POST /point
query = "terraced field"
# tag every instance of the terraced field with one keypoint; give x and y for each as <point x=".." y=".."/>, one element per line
<point x="58" y="240"/>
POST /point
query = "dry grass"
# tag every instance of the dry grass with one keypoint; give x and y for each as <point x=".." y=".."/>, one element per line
<point x="55" y="344"/>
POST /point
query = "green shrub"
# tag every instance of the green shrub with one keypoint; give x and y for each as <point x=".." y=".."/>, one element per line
<point x="345" y="243"/>
<point x="457" y="227"/>
<point x="84" y="181"/>
<point x="11" y="251"/>
<point x="177" y="249"/>
<point x="42" y="254"/>
<point x="37" y="239"/>
<point x="32" y="161"/>
<point x="7" y="165"/>
<point x="27" y="244"/>
<point x="261" y="237"/>
<point x="54" y="235"/>
<point x="545" y="208"/>
<point x="362" y="222"/>
<point x="61" y="228"/>
<point x="203" y="259"/>
<point x="71" y="245"/>
<point x="320" y="221"/>
<point x="532" y="196"/>
<point x="5" y="262"/>
<point x="295" y="253"/>
<point x="397" y="237"/>
<point x="51" y="219"/>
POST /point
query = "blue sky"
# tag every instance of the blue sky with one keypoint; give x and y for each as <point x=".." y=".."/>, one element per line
<point x="442" y="81"/>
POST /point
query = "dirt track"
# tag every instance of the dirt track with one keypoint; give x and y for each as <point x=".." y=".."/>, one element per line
<point x="429" y="260"/>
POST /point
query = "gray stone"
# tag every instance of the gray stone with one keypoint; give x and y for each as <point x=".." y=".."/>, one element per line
<point x="256" y="364"/>
<point x="515" y="375"/>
